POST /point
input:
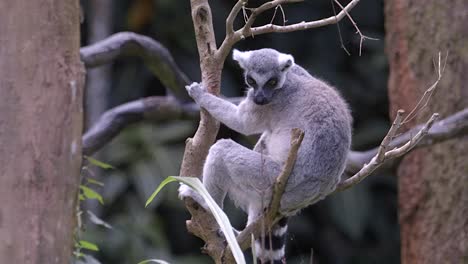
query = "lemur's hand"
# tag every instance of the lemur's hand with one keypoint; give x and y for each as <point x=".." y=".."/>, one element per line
<point x="196" y="91"/>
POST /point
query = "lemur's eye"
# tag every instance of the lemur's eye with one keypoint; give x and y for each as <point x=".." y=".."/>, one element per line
<point x="272" y="82"/>
<point x="250" y="80"/>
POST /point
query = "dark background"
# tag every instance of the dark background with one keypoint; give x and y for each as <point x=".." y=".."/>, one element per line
<point x="356" y="226"/>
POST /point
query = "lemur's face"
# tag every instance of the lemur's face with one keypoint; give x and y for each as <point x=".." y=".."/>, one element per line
<point x="264" y="71"/>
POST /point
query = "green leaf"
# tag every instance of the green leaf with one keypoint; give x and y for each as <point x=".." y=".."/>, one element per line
<point x="219" y="215"/>
<point x="88" y="245"/>
<point x="93" y="181"/>
<point x="82" y="198"/>
<point x="99" y="163"/>
<point x="153" y="261"/>
<point x="91" y="194"/>
<point x="161" y="185"/>
<point x="78" y="254"/>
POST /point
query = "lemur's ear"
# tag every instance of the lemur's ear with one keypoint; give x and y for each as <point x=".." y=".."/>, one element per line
<point x="285" y="61"/>
<point x="241" y="57"/>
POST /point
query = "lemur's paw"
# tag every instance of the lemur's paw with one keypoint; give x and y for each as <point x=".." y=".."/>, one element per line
<point x="195" y="90"/>
<point x="186" y="191"/>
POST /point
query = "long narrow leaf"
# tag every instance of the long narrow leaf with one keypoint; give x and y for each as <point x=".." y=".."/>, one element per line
<point x="163" y="183"/>
<point x="219" y="215"/>
<point x="153" y="261"/>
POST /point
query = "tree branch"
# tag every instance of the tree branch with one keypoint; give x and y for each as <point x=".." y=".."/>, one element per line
<point x="299" y="26"/>
<point x="297" y="136"/>
<point x="232" y="16"/>
<point x="384" y="155"/>
<point x="114" y="120"/>
<point x="154" y="54"/>
<point x="247" y="30"/>
<point x="358" y="31"/>
<point x="451" y="127"/>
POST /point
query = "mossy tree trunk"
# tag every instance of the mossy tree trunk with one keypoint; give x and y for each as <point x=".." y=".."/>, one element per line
<point x="433" y="182"/>
<point x="41" y="82"/>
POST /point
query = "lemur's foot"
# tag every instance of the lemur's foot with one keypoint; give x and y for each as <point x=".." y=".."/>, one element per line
<point x="186" y="191"/>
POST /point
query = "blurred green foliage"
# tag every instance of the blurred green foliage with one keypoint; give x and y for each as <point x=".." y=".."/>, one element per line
<point x="356" y="226"/>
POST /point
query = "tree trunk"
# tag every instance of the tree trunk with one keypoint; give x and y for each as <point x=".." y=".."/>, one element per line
<point x="41" y="81"/>
<point x="433" y="182"/>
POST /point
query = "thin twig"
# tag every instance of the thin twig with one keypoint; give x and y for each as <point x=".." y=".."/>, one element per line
<point x="282" y="13"/>
<point x="427" y="94"/>
<point x="339" y="30"/>
<point x="232" y="16"/>
<point x="451" y="127"/>
<point x="301" y="25"/>
<point x="362" y="37"/>
<point x="248" y="30"/>
<point x="377" y="162"/>
<point x="264" y="7"/>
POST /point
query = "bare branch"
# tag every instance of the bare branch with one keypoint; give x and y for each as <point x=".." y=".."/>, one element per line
<point x="257" y="11"/>
<point x="155" y="55"/>
<point x="158" y="108"/>
<point x="247" y="31"/>
<point x="362" y="37"/>
<point x="114" y="120"/>
<point x="382" y="156"/>
<point x="422" y="103"/>
<point x="232" y="16"/>
<point x="297" y="136"/>
<point x="451" y="127"/>
<point x="339" y="30"/>
<point x="232" y="38"/>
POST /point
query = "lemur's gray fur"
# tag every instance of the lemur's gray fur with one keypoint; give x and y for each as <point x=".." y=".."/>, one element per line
<point x="281" y="96"/>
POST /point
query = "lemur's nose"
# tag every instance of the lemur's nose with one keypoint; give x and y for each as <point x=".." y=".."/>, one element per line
<point x="260" y="100"/>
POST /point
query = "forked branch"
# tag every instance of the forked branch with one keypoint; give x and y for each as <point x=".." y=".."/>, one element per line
<point x="383" y="155"/>
<point x="233" y="36"/>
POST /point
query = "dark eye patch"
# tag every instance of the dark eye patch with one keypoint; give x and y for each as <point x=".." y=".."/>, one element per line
<point x="250" y="80"/>
<point x="272" y="82"/>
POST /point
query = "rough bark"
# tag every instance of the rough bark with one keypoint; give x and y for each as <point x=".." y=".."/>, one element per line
<point x="41" y="80"/>
<point x="196" y="148"/>
<point x="433" y="192"/>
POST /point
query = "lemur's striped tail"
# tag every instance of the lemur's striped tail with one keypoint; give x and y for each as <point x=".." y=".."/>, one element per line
<point x="270" y="248"/>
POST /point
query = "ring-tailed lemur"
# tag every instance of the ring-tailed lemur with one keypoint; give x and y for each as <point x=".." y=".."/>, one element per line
<point x="281" y="96"/>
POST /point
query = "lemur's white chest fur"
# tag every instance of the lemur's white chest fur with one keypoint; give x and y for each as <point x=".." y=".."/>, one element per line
<point x="274" y="144"/>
